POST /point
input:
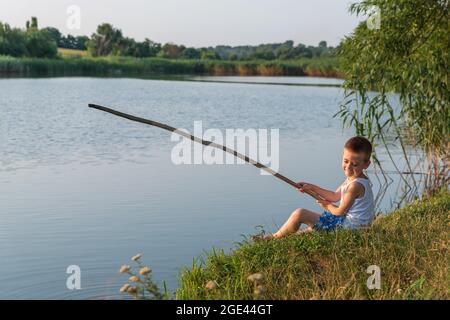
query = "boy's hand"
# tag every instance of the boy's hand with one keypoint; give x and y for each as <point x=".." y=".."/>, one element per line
<point x="323" y="203"/>
<point x="304" y="186"/>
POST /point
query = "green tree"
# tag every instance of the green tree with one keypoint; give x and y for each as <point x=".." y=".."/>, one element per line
<point x="81" y="42"/>
<point x="263" y="55"/>
<point x="12" y="41"/>
<point x="147" y="48"/>
<point x="301" y="51"/>
<point x="55" y="34"/>
<point x="285" y="50"/>
<point x="190" y="53"/>
<point x="40" y="44"/>
<point x="407" y="54"/>
<point x="33" y="24"/>
<point x="69" y="41"/>
<point x="32" y="42"/>
<point x="233" y="57"/>
<point x="171" y="50"/>
<point x="208" y="54"/>
<point x="104" y="40"/>
<point x="125" y="47"/>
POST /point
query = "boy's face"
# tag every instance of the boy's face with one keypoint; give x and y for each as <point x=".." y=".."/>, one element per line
<point x="354" y="163"/>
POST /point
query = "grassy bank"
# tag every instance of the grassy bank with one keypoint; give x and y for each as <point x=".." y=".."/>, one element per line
<point x="75" y="63"/>
<point x="410" y="246"/>
<point x="70" y="53"/>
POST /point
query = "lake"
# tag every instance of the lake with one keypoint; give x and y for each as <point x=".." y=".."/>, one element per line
<point x="82" y="187"/>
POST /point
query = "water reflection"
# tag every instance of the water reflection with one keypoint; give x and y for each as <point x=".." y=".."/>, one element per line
<point x="82" y="187"/>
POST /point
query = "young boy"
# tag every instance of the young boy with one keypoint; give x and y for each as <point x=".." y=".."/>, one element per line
<point x="356" y="204"/>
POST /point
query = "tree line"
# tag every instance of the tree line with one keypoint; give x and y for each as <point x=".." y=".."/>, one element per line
<point x="110" y="41"/>
<point x="30" y="42"/>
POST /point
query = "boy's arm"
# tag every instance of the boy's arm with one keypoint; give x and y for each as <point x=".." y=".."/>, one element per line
<point x="352" y="193"/>
<point x="332" y="196"/>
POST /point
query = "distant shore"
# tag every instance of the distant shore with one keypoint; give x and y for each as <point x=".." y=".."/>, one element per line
<point x="128" y="66"/>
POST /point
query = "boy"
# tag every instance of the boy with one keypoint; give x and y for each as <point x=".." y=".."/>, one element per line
<point x="356" y="204"/>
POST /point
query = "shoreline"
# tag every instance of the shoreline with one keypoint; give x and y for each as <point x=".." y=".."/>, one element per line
<point x="148" y="67"/>
<point x="408" y="246"/>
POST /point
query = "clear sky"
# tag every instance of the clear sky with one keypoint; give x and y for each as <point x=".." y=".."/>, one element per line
<point x="196" y="22"/>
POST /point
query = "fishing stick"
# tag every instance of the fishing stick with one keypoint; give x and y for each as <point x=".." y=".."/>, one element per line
<point x="206" y="143"/>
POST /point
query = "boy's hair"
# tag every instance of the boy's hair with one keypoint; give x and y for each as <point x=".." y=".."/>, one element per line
<point x="359" y="144"/>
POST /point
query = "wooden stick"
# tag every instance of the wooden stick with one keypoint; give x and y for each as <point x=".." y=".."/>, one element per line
<point x="206" y="143"/>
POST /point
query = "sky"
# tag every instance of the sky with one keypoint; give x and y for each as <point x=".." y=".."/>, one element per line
<point x="196" y="23"/>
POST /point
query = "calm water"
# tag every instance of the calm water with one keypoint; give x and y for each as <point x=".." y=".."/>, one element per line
<point x="78" y="186"/>
<point x="286" y="80"/>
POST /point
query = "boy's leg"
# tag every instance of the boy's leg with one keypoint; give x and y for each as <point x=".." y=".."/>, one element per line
<point x="297" y="217"/>
<point x="305" y="230"/>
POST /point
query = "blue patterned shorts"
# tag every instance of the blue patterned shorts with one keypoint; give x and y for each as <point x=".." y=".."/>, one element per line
<point x="329" y="221"/>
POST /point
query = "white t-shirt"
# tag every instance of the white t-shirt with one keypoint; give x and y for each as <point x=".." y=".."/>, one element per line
<point x="362" y="212"/>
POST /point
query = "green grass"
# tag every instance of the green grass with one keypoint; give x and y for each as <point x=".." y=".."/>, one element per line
<point x="410" y="246"/>
<point x="63" y="52"/>
<point x="74" y="63"/>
